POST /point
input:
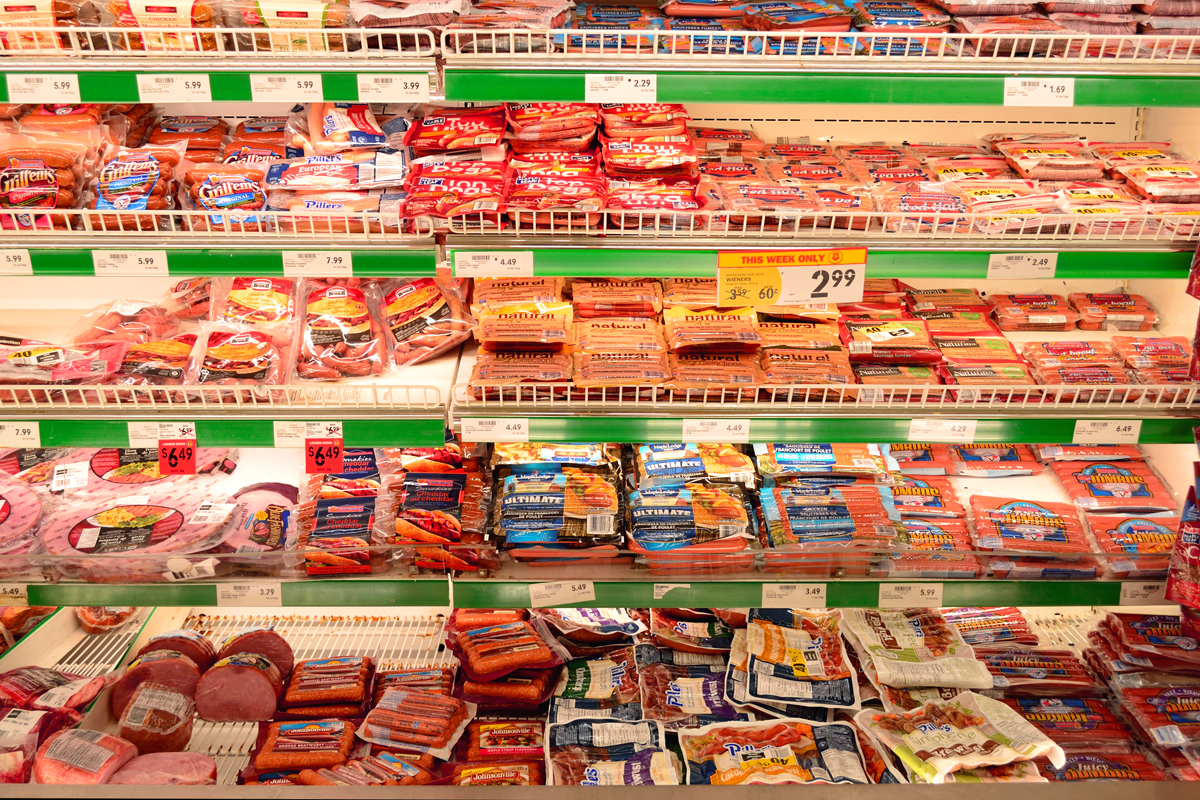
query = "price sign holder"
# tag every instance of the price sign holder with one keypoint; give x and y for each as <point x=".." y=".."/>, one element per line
<point x="1039" y="92"/>
<point x="910" y="595"/>
<point x="615" y="88"/>
<point x="317" y="263"/>
<point x="493" y="264"/>
<point x="935" y="429"/>
<point x="791" y="277"/>
<point x="177" y="456"/>
<point x="794" y="595"/>
<point x="561" y="593"/>
<point x="15" y="262"/>
<point x="263" y="594"/>
<point x="501" y="429"/>
<point x="734" y="431"/>
<point x="1106" y="431"/>
<point x="24" y="433"/>
<point x="1022" y="266"/>
<point x="14" y="594"/>
<point x="323" y="456"/>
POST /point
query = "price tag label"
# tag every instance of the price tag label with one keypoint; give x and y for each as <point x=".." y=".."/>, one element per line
<point x="1021" y="266"/>
<point x="129" y="263"/>
<point x="20" y="434"/>
<point x="293" y="433"/>
<point x="1039" y="92"/>
<point x="498" y="264"/>
<point x="209" y="513"/>
<point x="149" y="434"/>
<point x="504" y="429"/>
<point x="69" y="476"/>
<point x="1106" y="431"/>
<point x="61" y="88"/>
<point x="941" y="430"/>
<point x="561" y="593"/>
<point x="791" y="277"/>
<point x="15" y="262"/>
<point x="174" y="89"/>
<point x="323" y="456"/>
<point x="661" y="589"/>
<point x="14" y="594"/>
<point x="304" y="88"/>
<point x="906" y="595"/>
<point x="177" y="456"/>
<point x="1143" y="594"/>
<point x="793" y="595"/>
<point x="318" y="263"/>
<point x="262" y="594"/>
<point x="608" y="88"/>
<point x="720" y="431"/>
<point x="394" y="88"/>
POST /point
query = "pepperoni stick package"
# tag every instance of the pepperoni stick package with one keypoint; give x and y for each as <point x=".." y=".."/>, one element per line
<point x="1127" y="486"/>
<point x="966" y="732"/>
<point x="340" y="336"/>
<point x="914" y="647"/>
<point x="778" y="752"/>
<point x="682" y="630"/>
<point x="609" y="753"/>
<point x="797" y="657"/>
<point x="595" y="687"/>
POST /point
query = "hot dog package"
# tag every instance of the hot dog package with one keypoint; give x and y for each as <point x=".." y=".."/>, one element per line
<point x="1127" y="486"/>
<point x="340" y="334"/>
<point x="777" y="752"/>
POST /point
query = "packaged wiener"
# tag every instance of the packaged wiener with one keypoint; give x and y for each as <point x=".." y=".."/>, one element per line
<point x="557" y="504"/>
<point x="912" y="647"/>
<point x="237" y="356"/>
<point x="594" y="687"/>
<point x="414" y="721"/>
<point x="779" y="460"/>
<point x="132" y="179"/>
<point x="994" y="460"/>
<point x="328" y="128"/>
<point x="683" y="691"/>
<point x="659" y="464"/>
<point x="773" y="752"/>
<point x="598" y="752"/>
<point x="261" y="304"/>
<point x="1131" y="486"/>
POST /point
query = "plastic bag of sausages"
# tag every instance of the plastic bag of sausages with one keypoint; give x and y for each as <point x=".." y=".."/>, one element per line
<point x="340" y="333"/>
<point x="132" y="179"/>
<point x="424" y="317"/>
<point x="43" y="171"/>
<point x="161" y="362"/>
<point x="246" y="360"/>
<point x="235" y="189"/>
<point x="266" y="305"/>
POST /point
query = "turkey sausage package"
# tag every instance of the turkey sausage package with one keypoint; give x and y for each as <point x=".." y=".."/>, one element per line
<point x="964" y="733"/>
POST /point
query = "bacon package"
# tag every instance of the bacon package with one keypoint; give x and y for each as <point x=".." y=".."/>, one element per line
<point x="779" y="752"/>
<point x="797" y="657"/>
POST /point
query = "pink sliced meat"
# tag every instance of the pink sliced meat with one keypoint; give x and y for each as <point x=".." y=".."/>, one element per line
<point x="163" y="526"/>
<point x="134" y="470"/>
<point x="243" y="687"/>
<point x="81" y="757"/>
<point x="268" y="511"/>
<point x="157" y="719"/>
<point x="21" y="732"/>
<point x="168" y="769"/>
<point x="263" y="641"/>
<point x="33" y="465"/>
<point x="47" y="689"/>
<point x="102" y="619"/>
<point x="193" y="645"/>
<point x="20" y="512"/>
<point x="165" y="667"/>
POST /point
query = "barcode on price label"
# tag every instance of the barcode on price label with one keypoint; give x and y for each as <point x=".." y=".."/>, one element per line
<point x="793" y="595"/>
<point x="498" y="264"/>
<point x="69" y="476"/>
<point x="906" y="595"/>
<point x="1022" y="266"/>
<point x="1106" y="431"/>
<point x="20" y="434"/>
<point x="941" y="430"/>
<point x="561" y="593"/>
<point x="396" y="88"/>
<point x="661" y="589"/>
<point x="174" y="88"/>
<point x="287" y="88"/>
<point x="257" y="594"/>
<point x="129" y="263"/>
<point x="609" y="88"/>
<point x="1143" y="594"/>
<point x="1039" y="92"/>
<point x="15" y="262"/>
<point x="504" y="429"/>
<point x="148" y="434"/>
<point x="318" y="263"/>
<point x="721" y="431"/>
<point x="211" y="513"/>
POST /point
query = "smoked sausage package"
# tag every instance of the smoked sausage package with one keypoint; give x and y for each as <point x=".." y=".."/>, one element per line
<point x="424" y="317"/>
<point x="340" y="333"/>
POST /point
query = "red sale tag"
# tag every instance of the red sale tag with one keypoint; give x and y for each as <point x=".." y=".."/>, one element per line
<point x="176" y="456"/>
<point x="323" y="456"/>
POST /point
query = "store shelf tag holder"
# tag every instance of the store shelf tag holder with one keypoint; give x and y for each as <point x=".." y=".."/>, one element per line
<point x="16" y="262"/>
<point x="561" y="593"/>
<point x="492" y="264"/>
<point x="52" y="88"/>
<point x="290" y="88"/>
<point x="910" y="595"/>
<point x="1106" y="431"/>
<point x="933" y="429"/>
<point x="264" y="594"/>
<point x="20" y="434"/>
<point x="162" y="88"/>
<point x="790" y="277"/>
<point x="1021" y="266"/>
<point x="616" y="88"/>
<point x="1039" y="92"/>
<point x="794" y="595"/>
<point x="501" y="429"/>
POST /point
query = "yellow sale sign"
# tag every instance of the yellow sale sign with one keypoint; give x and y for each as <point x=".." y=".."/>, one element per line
<point x="791" y="277"/>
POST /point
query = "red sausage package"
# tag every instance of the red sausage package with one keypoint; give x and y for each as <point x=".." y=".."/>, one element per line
<point x="496" y="650"/>
<point x="991" y="626"/>
<point x="901" y="341"/>
<point x="340" y="335"/>
<point x="994" y="460"/>
<point x="424" y="317"/>
<point x="1124" y="312"/>
<point x="1020" y="671"/>
<point x="1050" y="533"/>
<point x="1140" y="546"/>
<point x="411" y="720"/>
<point x="121" y="322"/>
<point x="264" y="304"/>
<point x="234" y="356"/>
<point x="1126" y="486"/>
<point x="165" y="362"/>
<point x="1033" y="312"/>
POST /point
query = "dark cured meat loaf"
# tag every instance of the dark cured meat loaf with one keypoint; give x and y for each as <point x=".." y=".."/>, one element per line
<point x="167" y="667"/>
<point x="243" y="687"/>
<point x="263" y="641"/>
<point x="196" y="647"/>
<point x="157" y="719"/>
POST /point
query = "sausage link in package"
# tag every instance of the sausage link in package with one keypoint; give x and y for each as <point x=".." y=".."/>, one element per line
<point x="414" y="721"/>
<point x="599" y="752"/>
<point x="1047" y="539"/>
<point x="914" y="647"/>
<point x="681" y="690"/>
<point x="260" y="304"/>
<point x="797" y="657"/>
<point x="133" y="179"/>
<point x="560" y="505"/>
<point x="237" y="356"/>
<point x="496" y="650"/>
<point x="659" y="464"/>
<point x="964" y="733"/>
<point x="779" y="752"/>
<point x="1130" y="486"/>
<point x="424" y="317"/>
<point x="164" y="362"/>
<point x="340" y="335"/>
<point x="329" y="128"/>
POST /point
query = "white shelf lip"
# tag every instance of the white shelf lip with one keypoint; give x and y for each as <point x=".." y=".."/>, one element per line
<point x="142" y="47"/>
<point x="926" y="53"/>
<point x="47" y="400"/>
<point x="833" y="400"/>
<point x="912" y="226"/>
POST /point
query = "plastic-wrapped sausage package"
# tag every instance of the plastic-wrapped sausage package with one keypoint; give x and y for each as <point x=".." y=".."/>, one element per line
<point x="780" y="752"/>
<point x="424" y="317"/>
<point x="340" y="335"/>
<point x="597" y="752"/>
<point x="797" y="657"/>
<point x="914" y="647"/>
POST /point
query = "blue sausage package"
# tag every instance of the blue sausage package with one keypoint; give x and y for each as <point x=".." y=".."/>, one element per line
<point x="601" y="752"/>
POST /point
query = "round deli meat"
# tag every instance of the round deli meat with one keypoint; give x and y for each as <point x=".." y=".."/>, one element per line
<point x="125" y="470"/>
<point x="168" y="668"/>
<point x="157" y="719"/>
<point x="81" y="757"/>
<point x="263" y="641"/>
<point x="20" y="511"/>
<point x="242" y="687"/>
<point x="102" y="619"/>
<point x="269" y="509"/>
<point x="168" y="769"/>
<point x="195" y="646"/>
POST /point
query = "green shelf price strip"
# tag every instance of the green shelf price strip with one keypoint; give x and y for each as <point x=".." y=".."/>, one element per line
<point x="901" y="87"/>
<point x="418" y="261"/>
<point x="432" y="591"/>
<point x="228" y="431"/>
<point x="1017" y="430"/>
<point x="580" y="262"/>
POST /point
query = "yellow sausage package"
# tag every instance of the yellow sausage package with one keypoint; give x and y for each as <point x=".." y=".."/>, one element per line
<point x="526" y="326"/>
<point x="967" y="732"/>
<point x="775" y="460"/>
<point x="733" y="330"/>
<point x="496" y="292"/>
